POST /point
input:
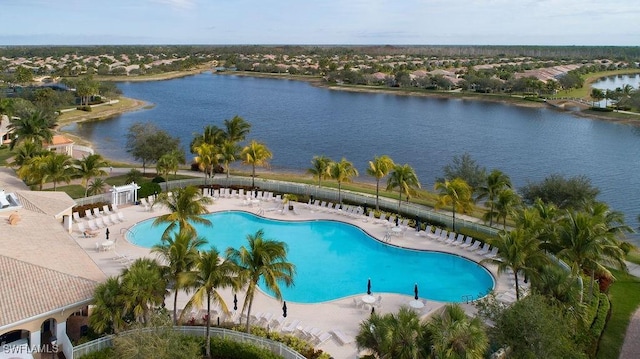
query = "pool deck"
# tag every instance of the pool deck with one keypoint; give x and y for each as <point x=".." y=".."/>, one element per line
<point x="339" y="314"/>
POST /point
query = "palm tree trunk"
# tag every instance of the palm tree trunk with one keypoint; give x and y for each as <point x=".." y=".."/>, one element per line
<point x="399" y="199"/>
<point x="377" y="194"/>
<point x="175" y="305"/>
<point x="253" y="177"/>
<point x="515" y="274"/>
<point x="453" y="222"/>
<point x="339" y="192"/>
<point x="249" y="312"/>
<point x="208" y="342"/>
<point x="491" y="215"/>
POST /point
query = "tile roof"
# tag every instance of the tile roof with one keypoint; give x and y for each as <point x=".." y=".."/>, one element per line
<point x="51" y="203"/>
<point x="29" y="290"/>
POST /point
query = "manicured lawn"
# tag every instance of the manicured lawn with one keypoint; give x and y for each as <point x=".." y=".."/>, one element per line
<point x="73" y="190"/>
<point x="5" y="154"/>
<point x="591" y="78"/>
<point x="625" y="299"/>
<point x="634" y="256"/>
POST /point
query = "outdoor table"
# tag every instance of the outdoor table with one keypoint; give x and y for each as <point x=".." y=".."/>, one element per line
<point x="107" y="244"/>
<point x="417" y="304"/>
<point x="396" y="231"/>
<point x="369" y="299"/>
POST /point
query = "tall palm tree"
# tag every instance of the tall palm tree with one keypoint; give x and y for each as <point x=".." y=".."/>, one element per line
<point x="186" y="206"/>
<point x="255" y="154"/>
<point x="236" y="129"/>
<point x="179" y="254"/>
<point x="34" y="127"/>
<point x="263" y="259"/>
<point x="145" y="288"/>
<point x="587" y="245"/>
<point x="404" y="178"/>
<point x="57" y="167"/>
<point x="455" y="335"/>
<point x="378" y="169"/>
<point x="89" y="167"/>
<point x="342" y="171"/>
<point x="519" y="251"/>
<point x="207" y="158"/>
<point x="506" y="203"/>
<point x="108" y="311"/>
<point x="496" y="182"/>
<point x="211" y="134"/>
<point x="455" y="193"/>
<point x="398" y="335"/>
<point x="320" y="167"/>
<point x="31" y="170"/>
<point x="211" y="273"/>
<point x="165" y="165"/>
<point x="229" y="153"/>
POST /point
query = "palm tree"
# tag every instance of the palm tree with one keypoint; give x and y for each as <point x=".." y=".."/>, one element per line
<point x="56" y="167"/>
<point x="588" y="246"/>
<point x="26" y="151"/>
<point x="456" y="193"/>
<point x="394" y="335"/>
<point x="558" y="285"/>
<point x="236" y="129"/>
<point x="31" y="171"/>
<point x="89" y="167"/>
<point x="320" y="167"/>
<point x="520" y="251"/>
<point x="34" y="127"/>
<point x="264" y="259"/>
<point x="404" y="178"/>
<point x="96" y="186"/>
<point x="186" y="206"/>
<point x="180" y="254"/>
<point x="255" y="154"/>
<point x="455" y="335"/>
<point x="144" y="288"/>
<point x="166" y="164"/>
<point x="507" y="201"/>
<point x="212" y="135"/>
<point x="342" y="171"/>
<point x="496" y="182"/>
<point x="210" y="274"/>
<point x="108" y="312"/>
<point x="207" y="158"/>
<point x="229" y="153"/>
<point x="378" y="169"/>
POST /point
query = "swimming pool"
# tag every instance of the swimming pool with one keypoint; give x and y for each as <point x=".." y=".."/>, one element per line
<point x="334" y="259"/>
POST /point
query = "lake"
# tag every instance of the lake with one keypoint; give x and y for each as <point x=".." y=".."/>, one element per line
<point x="298" y="121"/>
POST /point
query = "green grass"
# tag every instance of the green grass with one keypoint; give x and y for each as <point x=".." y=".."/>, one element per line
<point x="625" y="299"/>
<point x="5" y="154"/>
<point x="73" y="190"/>
<point x="634" y="256"/>
<point x="585" y="90"/>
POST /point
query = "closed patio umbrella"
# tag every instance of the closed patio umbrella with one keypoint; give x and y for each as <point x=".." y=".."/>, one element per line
<point x="284" y="309"/>
<point x="107" y="233"/>
<point x="415" y="291"/>
<point x="369" y="286"/>
<point x="235" y="302"/>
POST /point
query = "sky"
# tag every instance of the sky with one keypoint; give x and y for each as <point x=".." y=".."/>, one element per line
<point x="321" y="22"/>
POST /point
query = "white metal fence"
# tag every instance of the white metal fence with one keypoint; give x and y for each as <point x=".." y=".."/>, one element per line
<point x="409" y="210"/>
<point x="273" y="346"/>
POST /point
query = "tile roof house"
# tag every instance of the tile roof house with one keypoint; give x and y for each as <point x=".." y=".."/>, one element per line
<point x="47" y="280"/>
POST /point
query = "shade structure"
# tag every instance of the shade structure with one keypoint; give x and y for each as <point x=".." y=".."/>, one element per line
<point x="235" y="302"/>
<point x="284" y="309"/>
<point x="369" y="286"/>
<point x="415" y="291"/>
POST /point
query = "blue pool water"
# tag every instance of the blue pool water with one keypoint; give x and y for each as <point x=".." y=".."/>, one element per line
<point x="334" y="259"/>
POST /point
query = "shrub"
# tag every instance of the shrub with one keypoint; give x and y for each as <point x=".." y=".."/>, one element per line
<point x="148" y="188"/>
<point x="84" y="108"/>
<point x="595" y="332"/>
<point x="158" y="179"/>
<point x="227" y="349"/>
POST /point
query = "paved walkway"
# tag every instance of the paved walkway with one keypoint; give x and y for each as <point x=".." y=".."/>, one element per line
<point x="631" y="346"/>
<point x="339" y="314"/>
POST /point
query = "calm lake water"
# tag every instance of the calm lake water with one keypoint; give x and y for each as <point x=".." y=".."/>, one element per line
<point x="298" y="121"/>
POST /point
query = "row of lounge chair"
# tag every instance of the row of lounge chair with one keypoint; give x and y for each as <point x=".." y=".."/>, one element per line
<point x="459" y="240"/>
<point x="89" y="228"/>
<point x="95" y="213"/>
<point x="329" y="207"/>
<point x="247" y="195"/>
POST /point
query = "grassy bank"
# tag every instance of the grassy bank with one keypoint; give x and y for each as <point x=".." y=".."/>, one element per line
<point x="625" y="299"/>
<point x="101" y="112"/>
<point x="585" y="90"/>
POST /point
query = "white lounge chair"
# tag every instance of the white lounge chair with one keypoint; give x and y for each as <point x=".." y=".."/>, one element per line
<point x="290" y="327"/>
<point x="105" y="210"/>
<point x="120" y="216"/>
<point x="434" y="235"/>
<point x="322" y="338"/>
<point x="92" y="225"/>
<point x="485" y="249"/>
<point x="451" y="238"/>
<point x="475" y="246"/>
<point x="466" y="243"/>
<point x="76" y="217"/>
<point x="88" y="214"/>
<point x="81" y="227"/>
<point x="493" y="253"/>
<point x="342" y="338"/>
